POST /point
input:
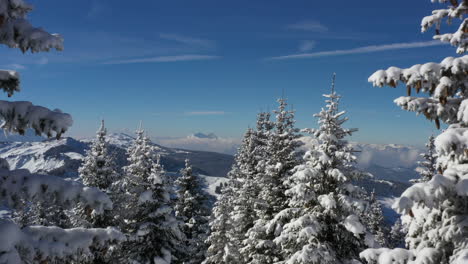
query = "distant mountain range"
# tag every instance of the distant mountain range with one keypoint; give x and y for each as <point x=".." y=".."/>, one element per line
<point x="63" y="157"/>
<point x="392" y="165"/>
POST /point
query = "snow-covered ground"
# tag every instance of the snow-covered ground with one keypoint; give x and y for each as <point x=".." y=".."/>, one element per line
<point x="212" y="182"/>
<point x="392" y="165"/>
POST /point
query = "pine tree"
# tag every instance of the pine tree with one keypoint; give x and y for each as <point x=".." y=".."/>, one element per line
<point x="47" y="212"/>
<point x="220" y="248"/>
<point x="397" y="234"/>
<point x="428" y="167"/>
<point x="435" y="211"/>
<point x="279" y="158"/>
<point x="98" y="168"/>
<point x="154" y="234"/>
<point x="322" y="224"/>
<point x="375" y="222"/>
<point x="244" y="181"/>
<point x="192" y="209"/>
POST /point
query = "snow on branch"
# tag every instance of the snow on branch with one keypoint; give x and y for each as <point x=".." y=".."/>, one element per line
<point x="19" y="116"/>
<point x="455" y="10"/>
<point x="17" y="32"/>
<point x="17" y="186"/>
<point x="9" y="81"/>
<point x="41" y="244"/>
<point x="444" y="82"/>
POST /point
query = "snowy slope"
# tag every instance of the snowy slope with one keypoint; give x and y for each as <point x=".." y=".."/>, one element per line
<point x="63" y="157"/>
<point x="392" y="165"/>
<point x="55" y="157"/>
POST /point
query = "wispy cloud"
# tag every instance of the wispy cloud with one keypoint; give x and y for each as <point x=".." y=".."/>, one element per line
<point x="313" y="26"/>
<point x="42" y="61"/>
<point x="15" y="66"/>
<point x="306" y="45"/>
<point x="175" y="58"/>
<point x="187" y="40"/>
<point x="366" y="49"/>
<point x="193" y="113"/>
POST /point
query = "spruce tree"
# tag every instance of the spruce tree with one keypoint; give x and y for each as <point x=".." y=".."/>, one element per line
<point x="192" y="209"/>
<point x="428" y="166"/>
<point x="375" y="222"/>
<point x="245" y="187"/>
<point x="98" y="168"/>
<point x="154" y="234"/>
<point x="323" y="226"/>
<point x="435" y="211"/>
<point x="273" y="169"/>
<point x="397" y="234"/>
<point x="220" y="248"/>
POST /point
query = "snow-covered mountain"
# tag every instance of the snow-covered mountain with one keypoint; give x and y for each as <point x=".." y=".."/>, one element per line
<point x="63" y="157"/>
<point x="203" y="135"/>
<point x="391" y="165"/>
<point x="388" y="162"/>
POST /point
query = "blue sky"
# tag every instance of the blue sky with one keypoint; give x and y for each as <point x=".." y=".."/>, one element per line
<point x="188" y="66"/>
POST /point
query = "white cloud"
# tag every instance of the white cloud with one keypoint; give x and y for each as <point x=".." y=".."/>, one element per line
<point x="187" y="40"/>
<point x="96" y="9"/>
<point x="306" y="45"/>
<point x="175" y="58"/>
<point x="360" y="50"/>
<point x="383" y="155"/>
<point x="43" y="61"/>
<point x="221" y="145"/>
<point x="205" y="113"/>
<point x="15" y="66"/>
<point x="313" y="26"/>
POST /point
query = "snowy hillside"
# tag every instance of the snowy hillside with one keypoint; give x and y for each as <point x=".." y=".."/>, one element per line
<point x="63" y="157"/>
<point x="391" y="165"/>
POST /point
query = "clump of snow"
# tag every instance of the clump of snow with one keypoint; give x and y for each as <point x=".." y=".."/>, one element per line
<point x="19" y="116"/>
<point x="21" y="184"/>
<point x="386" y="256"/>
<point x="47" y="243"/>
<point x="353" y="225"/>
<point x="327" y="201"/>
<point x="9" y="81"/>
<point x="146" y="196"/>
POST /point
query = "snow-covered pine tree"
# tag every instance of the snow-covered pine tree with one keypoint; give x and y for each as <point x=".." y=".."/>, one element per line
<point x="36" y="243"/>
<point x="275" y="167"/>
<point x="220" y="249"/>
<point x="436" y="211"/>
<point x="374" y="220"/>
<point x="98" y="168"/>
<point x="244" y="182"/>
<point x="154" y="234"/>
<point x="231" y="208"/>
<point x="19" y="187"/>
<point x="191" y="208"/>
<point x="397" y="234"/>
<point x="324" y="227"/>
<point x="427" y="167"/>
<point x="241" y="191"/>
